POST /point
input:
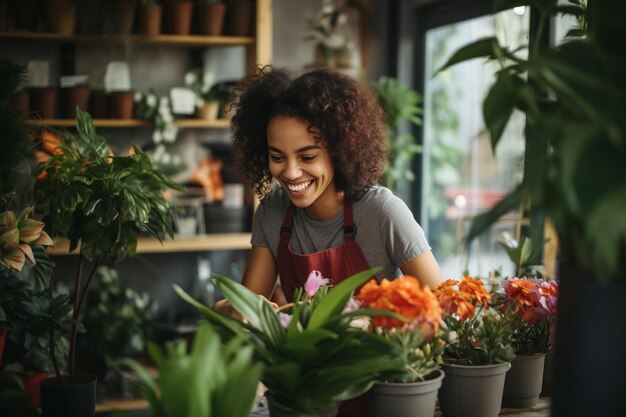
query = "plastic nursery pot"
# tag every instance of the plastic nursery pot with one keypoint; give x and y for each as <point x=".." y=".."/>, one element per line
<point x="122" y="104"/>
<point x="64" y="397"/>
<point x="209" y="18"/>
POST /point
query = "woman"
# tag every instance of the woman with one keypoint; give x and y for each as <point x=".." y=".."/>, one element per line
<point x="321" y="137"/>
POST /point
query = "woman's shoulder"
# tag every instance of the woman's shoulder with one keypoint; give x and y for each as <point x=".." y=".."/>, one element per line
<point x="382" y="201"/>
<point x="276" y="201"/>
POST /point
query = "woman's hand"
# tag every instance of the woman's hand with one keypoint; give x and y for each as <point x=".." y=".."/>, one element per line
<point x="224" y="307"/>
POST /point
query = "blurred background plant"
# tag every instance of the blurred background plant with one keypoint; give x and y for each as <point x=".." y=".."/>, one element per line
<point x="118" y="319"/>
<point x="401" y="104"/>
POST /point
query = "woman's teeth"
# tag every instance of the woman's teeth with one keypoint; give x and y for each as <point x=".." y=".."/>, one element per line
<point x="299" y="187"/>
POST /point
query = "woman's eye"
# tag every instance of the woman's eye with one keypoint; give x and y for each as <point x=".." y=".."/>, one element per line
<point x="276" y="158"/>
<point x="308" y="158"/>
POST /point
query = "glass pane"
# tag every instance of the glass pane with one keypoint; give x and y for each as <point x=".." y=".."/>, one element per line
<point x="563" y="24"/>
<point x="462" y="177"/>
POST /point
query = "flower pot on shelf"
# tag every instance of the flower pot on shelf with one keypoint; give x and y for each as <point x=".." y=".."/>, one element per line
<point x="121" y="104"/>
<point x="72" y="97"/>
<point x="150" y="16"/>
<point x="119" y="18"/>
<point x="178" y="17"/>
<point x="26" y="15"/>
<point x="239" y="18"/>
<point x="208" y="111"/>
<point x="43" y="101"/>
<point x="61" y="16"/>
<point x="62" y="397"/>
<point x="3" y="16"/>
<point x="275" y="411"/>
<point x="99" y="104"/>
<point x="209" y="18"/>
<point x="405" y="399"/>
<point x="472" y="390"/>
<point x="523" y="381"/>
<point x="21" y="101"/>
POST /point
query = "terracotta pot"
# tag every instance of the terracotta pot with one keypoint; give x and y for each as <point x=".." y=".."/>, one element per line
<point x="150" y="16"/>
<point x="26" y="15"/>
<point x="239" y="18"/>
<point x="3" y="16"/>
<point x="43" y="101"/>
<point x="178" y="17"/>
<point x="209" y="18"/>
<point x="118" y="17"/>
<point x="61" y="16"/>
<point x="32" y="386"/>
<point x="121" y="104"/>
<point x="72" y="97"/>
<point x="208" y="111"/>
<point x="99" y="104"/>
<point x="21" y="101"/>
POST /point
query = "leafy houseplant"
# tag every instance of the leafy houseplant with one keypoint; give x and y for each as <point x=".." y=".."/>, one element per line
<point x="400" y="104"/>
<point x="211" y="381"/>
<point x="100" y="202"/>
<point x="574" y="96"/>
<point x="313" y="357"/>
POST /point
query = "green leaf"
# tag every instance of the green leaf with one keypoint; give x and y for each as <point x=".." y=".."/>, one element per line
<point x="482" y="48"/>
<point x="246" y="302"/>
<point x="484" y="221"/>
<point x="333" y="303"/>
<point x="499" y="105"/>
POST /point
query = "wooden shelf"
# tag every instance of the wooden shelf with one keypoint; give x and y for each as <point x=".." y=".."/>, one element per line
<point x="216" y="241"/>
<point x="122" y="405"/>
<point x="160" y="40"/>
<point x="126" y="123"/>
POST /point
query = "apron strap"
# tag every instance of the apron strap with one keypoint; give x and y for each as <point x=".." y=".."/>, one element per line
<point x="285" y="228"/>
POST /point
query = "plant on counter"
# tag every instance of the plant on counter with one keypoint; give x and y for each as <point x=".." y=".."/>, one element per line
<point x="203" y="89"/>
<point x="417" y="335"/>
<point x="315" y="355"/>
<point x="210" y="381"/>
<point x="479" y="334"/>
<point x="100" y="202"/>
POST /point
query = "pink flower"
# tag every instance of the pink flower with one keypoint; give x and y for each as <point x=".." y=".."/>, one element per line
<point x="314" y="282"/>
<point x="285" y="319"/>
<point x="545" y="296"/>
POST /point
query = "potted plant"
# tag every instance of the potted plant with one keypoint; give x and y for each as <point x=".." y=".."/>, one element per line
<point x="401" y="104"/>
<point x="314" y="355"/>
<point x="572" y="95"/>
<point x="417" y="337"/>
<point x="209" y="381"/>
<point x="478" y="351"/>
<point x="150" y="17"/>
<point x="209" y="17"/>
<point x="101" y="203"/>
<point x="208" y="97"/>
<point x="178" y="16"/>
<point x="157" y="109"/>
<point x="530" y="306"/>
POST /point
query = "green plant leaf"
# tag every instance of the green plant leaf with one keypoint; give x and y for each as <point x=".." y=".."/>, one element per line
<point x="499" y="105"/>
<point x="482" y="48"/>
<point x="334" y="302"/>
<point x="483" y="222"/>
<point x="246" y="302"/>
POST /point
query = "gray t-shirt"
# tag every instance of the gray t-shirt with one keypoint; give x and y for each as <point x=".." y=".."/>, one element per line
<point x="387" y="233"/>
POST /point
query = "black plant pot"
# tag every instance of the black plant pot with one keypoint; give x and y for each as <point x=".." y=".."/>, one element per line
<point x="589" y="363"/>
<point x="62" y="397"/>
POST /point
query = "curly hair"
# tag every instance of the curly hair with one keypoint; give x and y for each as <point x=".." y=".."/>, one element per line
<point x="344" y="111"/>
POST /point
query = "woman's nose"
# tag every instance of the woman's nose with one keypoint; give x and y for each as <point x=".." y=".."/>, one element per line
<point x="292" y="170"/>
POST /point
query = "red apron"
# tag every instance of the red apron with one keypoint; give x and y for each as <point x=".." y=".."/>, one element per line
<point x="337" y="263"/>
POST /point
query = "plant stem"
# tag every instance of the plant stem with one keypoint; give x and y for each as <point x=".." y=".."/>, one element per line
<point x="72" y="353"/>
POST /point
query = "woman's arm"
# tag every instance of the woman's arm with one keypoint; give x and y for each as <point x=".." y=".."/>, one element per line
<point x="425" y="268"/>
<point x="261" y="271"/>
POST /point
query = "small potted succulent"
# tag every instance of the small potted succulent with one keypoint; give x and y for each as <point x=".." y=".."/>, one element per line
<point x="208" y="97"/>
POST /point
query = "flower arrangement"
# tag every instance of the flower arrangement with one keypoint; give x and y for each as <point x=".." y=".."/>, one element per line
<point x="17" y="235"/>
<point x="157" y="109"/>
<point x="530" y="305"/>
<point x="479" y="334"/>
<point x="314" y="355"/>
<point x="417" y="334"/>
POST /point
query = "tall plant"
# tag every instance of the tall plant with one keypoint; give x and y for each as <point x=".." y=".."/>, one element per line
<point x="101" y="202"/>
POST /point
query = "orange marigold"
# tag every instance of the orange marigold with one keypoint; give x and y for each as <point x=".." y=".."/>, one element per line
<point x="404" y="296"/>
<point x="461" y="298"/>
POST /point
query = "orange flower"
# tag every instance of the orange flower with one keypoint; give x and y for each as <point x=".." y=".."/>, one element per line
<point x="461" y="298"/>
<point x="403" y="296"/>
<point x="520" y="294"/>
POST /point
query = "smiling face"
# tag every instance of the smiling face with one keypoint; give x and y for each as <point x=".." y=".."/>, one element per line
<point x="302" y="164"/>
